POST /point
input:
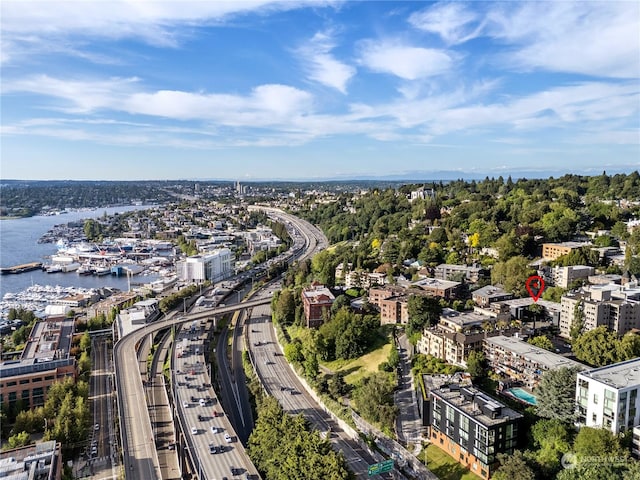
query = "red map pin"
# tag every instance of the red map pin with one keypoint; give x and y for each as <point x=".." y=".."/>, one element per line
<point x="535" y="286"/>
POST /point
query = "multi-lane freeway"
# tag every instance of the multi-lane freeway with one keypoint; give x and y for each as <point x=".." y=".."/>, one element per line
<point x="138" y="445"/>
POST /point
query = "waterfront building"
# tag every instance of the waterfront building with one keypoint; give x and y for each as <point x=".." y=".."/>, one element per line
<point x="472" y="427"/>
<point x="522" y="362"/>
<point x="214" y="266"/>
<point x="607" y="397"/>
<point x="45" y="360"/>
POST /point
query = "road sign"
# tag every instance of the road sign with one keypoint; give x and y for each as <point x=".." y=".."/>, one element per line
<point x="381" y="467"/>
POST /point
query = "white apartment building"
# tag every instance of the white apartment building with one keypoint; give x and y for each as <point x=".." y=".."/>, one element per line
<point x="607" y="397"/>
<point x="214" y="266"/>
<point x="609" y="305"/>
<point x="565" y="276"/>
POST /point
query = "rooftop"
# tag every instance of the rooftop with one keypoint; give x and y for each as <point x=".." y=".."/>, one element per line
<point x="526" y="301"/>
<point x="619" y="375"/>
<point x="435" y="283"/>
<point x="544" y="358"/>
<point x="464" y="319"/>
<point x="476" y="404"/>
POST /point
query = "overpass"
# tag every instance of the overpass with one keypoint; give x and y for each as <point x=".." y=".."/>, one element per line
<point x="140" y="457"/>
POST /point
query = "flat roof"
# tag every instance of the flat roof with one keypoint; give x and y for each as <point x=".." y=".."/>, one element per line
<point x="464" y="318"/>
<point x="435" y="283"/>
<point x="619" y="375"/>
<point x="526" y="301"/>
<point x="542" y="357"/>
<point x="469" y="400"/>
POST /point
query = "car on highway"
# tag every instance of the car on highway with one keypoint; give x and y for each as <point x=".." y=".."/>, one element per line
<point x="202" y="402"/>
<point x="227" y="438"/>
<point x="200" y="418"/>
<point x="96" y="427"/>
<point x="215" y="430"/>
<point x="213" y="448"/>
<point x="194" y="431"/>
<point x="185" y="404"/>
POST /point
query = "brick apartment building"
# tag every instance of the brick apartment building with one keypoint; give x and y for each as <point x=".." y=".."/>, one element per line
<point x="316" y="301"/>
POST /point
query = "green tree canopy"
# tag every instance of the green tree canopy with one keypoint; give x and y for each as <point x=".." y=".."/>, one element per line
<point x="513" y="467"/>
<point x="556" y="394"/>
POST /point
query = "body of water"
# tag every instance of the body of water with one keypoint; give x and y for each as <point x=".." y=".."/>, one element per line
<point x="19" y="244"/>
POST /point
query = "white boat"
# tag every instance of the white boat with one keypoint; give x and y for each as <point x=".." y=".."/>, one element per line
<point x="102" y="271"/>
<point x="54" y="268"/>
<point x="85" y="270"/>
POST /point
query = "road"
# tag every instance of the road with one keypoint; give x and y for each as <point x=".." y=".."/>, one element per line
<point x="140" y="456"/>
<point x="205" y="423"/>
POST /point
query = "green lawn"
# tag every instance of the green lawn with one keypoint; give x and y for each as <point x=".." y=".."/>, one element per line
<point x="444" y="466"/>
<point x="358" y="367"/>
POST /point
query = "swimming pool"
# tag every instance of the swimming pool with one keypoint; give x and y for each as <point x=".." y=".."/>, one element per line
<point x="523" y="395"/>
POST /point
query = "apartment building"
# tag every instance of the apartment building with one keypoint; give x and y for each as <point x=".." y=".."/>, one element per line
<point x="472" y="273"/>
<point x="45" y="360"/>
<point x="522" y="362"/>
<point x="484" y="296"/>
<point x="551" y="251"/>
<point x="456" y="335"/>
<point x="394" y="310"/>
<point x="316" y="301"/>
<point x="565" y="276"/>
<point x="616" y="307"/>
<point x="472" y="427"/>
<point x="439" y="288"/>
<point x="607" y="397"/>
<point x="214" y="266"/>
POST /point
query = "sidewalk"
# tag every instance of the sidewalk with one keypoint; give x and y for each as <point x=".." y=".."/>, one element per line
<point x="408" y="423"/>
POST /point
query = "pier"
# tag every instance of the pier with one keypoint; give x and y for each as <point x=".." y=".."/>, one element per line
<point x="25" y="267"/>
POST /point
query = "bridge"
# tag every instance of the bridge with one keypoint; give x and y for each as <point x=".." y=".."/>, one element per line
<point x="138" y="445"/>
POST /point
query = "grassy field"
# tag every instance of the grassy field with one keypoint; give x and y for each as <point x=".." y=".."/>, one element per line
<point x="445" y="467"/>
<point x="358" y="367"/>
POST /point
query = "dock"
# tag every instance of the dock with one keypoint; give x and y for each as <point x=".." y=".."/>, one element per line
<point x="25" y="267"/>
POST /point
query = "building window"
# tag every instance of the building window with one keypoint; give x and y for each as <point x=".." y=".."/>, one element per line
<point x="595" y="398"/>
<point x="11" y="384"/>
<point x="594" y="418"/>
<point x="24" y="381"/>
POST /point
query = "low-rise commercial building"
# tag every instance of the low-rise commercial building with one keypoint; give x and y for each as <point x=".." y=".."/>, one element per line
<point x="607" y="397"/>
<point x="484" y="296"/>
<point x="471" y="273"/>
<point x="42" y="461"/>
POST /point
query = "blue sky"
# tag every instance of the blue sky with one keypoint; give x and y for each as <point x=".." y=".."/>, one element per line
<point x="110" y="89"/>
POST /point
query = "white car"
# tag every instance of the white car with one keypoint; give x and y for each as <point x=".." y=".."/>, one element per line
<point x="227" y="438"/>
<point x="214" y="429"/>
<point x="185" y="404"/>
<point x="194" y="431"/>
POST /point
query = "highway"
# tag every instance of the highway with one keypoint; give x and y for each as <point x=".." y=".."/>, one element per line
<point x="139" y="453"/>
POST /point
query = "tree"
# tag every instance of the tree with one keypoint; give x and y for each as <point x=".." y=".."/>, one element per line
<point x="513" y="467"/>
<point x="512" y="274"/>
<point x="542" y="341"/>
<point x="592" y="442"/>
<point x="285" y="310"/>
<point x="476" y="364"/>
<point x="20" y="439"/>
<point x="553" y="439"/>
<point x="556" y="394"/>
<point x="577" y="326"/>
<point x="373" y="398"/>
<point x="597" y="347"/>
<point x="423" y="311"/>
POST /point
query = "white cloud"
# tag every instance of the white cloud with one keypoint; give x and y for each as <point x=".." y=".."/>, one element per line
<point x="404" y="61"/>
<point x="454" y="22"/>
<point x="591" y="38"/>
<point x="324" y="67"/>
<point x="32" y="26"/>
